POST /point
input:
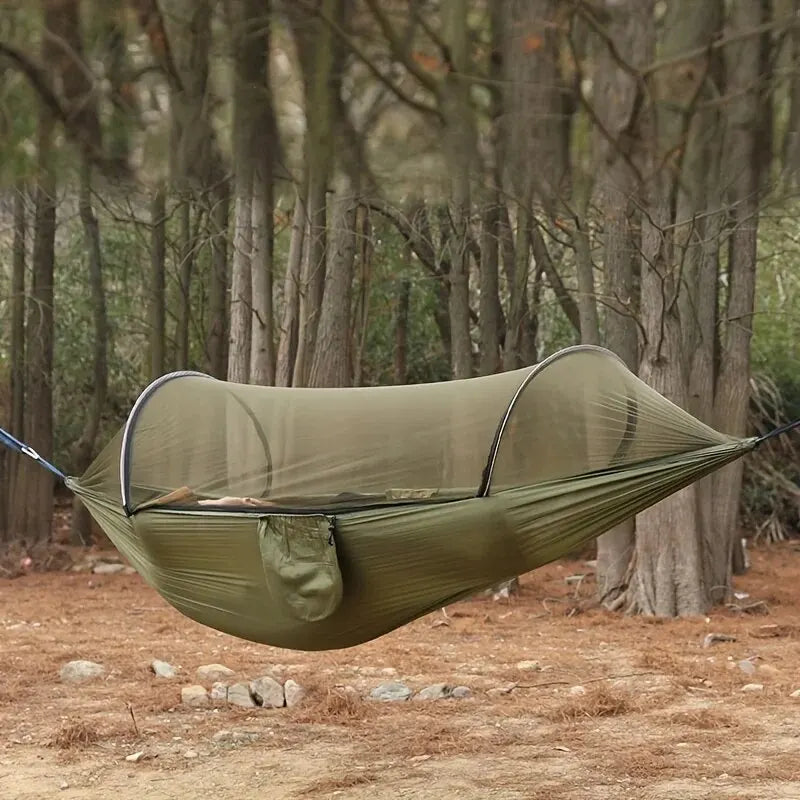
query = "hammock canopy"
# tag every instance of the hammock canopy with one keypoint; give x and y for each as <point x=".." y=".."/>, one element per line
<point x="322" y="518"/>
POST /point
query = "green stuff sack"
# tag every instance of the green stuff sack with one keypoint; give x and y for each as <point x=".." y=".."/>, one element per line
<point x="301" y="567"/>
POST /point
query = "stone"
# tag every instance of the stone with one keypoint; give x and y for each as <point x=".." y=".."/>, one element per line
<point x="461" y="692"/>
<point x="753" y="687"/>
<point x="795" y="693"/>
<point x="529" y="666"/>
<point x="715" y="638"/>
<point x="108" y="569"/>
<point x="162" y="669"/>
<point x="63" y="785"/>
<point x="219" y="692"/>
<point x="135" y="757"/>
<point x="390" y="692"/>
<point x="234" y="737"/>
<point x="194" y="696"/>
<point x="209" y="673"/>
<point x="438" y="691"/>
<point x="190" y="754"/>
<point x="78" y="671"/>
<point x="239" y="695"/>
<point x="293" y="692"/>
<point x="748" y="667"/>
<point x="577" y="690"/>
<point x="267" y="692"/>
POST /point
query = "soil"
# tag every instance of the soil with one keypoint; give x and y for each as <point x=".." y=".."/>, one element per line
<point x="662" y="717"/>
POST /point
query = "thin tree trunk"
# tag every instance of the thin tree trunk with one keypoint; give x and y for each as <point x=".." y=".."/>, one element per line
<point x="32" y="510"/>
<point x="490" y="311"/>
<point x="791" y="140"/>
<point x="743" y="61"/>
<point x="241" y="281"/>
<point x="518" y="289"/>
<point x="157" y="305"/>
<point x="187" y="247"/>
<point x="402" y="306"/>
<point x="84" y="449"/>
<point x="217" y="337"/>
<point x="459" y="144"/>
<point x="364" y="249"/>
<point x="262" y="363"/>
<point x="332" y="363"/>
<point x="287" y="345"/>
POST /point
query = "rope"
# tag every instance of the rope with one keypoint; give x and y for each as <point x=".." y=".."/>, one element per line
<point x="20" y="447"/>
<point x="778" y="431"/>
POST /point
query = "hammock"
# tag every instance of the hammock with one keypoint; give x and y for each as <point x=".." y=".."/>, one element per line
<point x="318" y="519"/>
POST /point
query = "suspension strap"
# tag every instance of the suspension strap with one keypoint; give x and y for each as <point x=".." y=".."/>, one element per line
<point x="778" y="431"/>
<point x="20" y="447"/>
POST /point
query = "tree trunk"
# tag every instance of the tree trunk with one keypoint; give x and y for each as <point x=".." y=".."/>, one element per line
<point x="287" y="345"/>
<point x="32" y="510"/>
<point x="217" y="337"/>
<point x="364" y="250"/>
<point x="84" y="449"/>
<point x="332" y="364"/>
<point x="668" y="578"/>
<point x="186" y="268"/>
<point x="321" y="57"/>
<point x="459" y="144"/>
<point x="241" y="280"/>
<point x="791" y="140"/>
<point x="157" y="306"/>
<point x="264" y="140"/>
<point x="402" y="306"/>
<point x="490" y="311"/>
<point x="16" y="357"/>
<point x="743" y="161"/>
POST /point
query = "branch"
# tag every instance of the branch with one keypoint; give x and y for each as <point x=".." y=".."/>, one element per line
<point x="40" y="81"/>
<point x="423" y="108"/>
<point x="545" y="263"/>
<point x="399" y="51"/>
<point x="421" y="247"/>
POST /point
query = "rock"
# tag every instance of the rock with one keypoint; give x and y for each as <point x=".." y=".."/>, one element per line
<point x="190" y="754"/>
<point x="753" y="687"/>
<point x="267" y="692"/>
<point x="577" y="690"/>
<point x="63" y="785"/>
<point x="461" y="692"/>
<point x="239" y="695"/>
<point x="209" y="673"/>
<point x="234" y="737"/>
<point x="748" y="667"/>
<point x="768" y="670"/>
<point x="293" y="692"/>
<point x="795" y="693"/>
<point x="219" y="691"/>
<point x="194" y="696"/>
<point x="162" y="669"/>
<point x="77" y="671"/>
<point x="390" y="692"/>
<point x="529" y="666"/>
<point x="438" y="691"/>
<point x="108" y="569"/>
<point x="135" y="757"/>
<point x="715" y="638"/>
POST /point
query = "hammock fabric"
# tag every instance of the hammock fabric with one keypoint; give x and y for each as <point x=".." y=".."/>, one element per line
<point x="322" y="518"/>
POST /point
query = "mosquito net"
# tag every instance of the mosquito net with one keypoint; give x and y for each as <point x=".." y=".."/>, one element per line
<point x="194" y="440"/>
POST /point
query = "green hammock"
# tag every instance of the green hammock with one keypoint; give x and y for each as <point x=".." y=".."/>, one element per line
<point x="322" y="518"/>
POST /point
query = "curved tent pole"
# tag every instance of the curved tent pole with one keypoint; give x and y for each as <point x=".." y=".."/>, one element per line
<point x="488" y="471"/>
<point x="125" y="453"/>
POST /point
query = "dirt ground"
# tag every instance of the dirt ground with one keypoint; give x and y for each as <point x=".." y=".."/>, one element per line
<point x="662" y="716"/>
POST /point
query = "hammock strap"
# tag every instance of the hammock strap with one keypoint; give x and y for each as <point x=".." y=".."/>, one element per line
<point x="12" y="443"/>
<point x="778" y="431"/>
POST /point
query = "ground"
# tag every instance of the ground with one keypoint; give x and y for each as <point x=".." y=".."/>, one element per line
<point x="662" y="716"/>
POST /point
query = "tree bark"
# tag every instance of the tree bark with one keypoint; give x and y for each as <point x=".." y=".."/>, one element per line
<point x="84" y="449"/>
<point x="157" y="305"/>
<point x="32" y="510"/>
<point x="403" y="303"/>
<point x="459" y="144"/>
<point x="187" y="243"/>
<point x="217" y="335"/>
<point x="490" y="311"/>
<point x="240" y="343"/>
<point x="287" y="345"/>
<point x="332" y="363"/>
<point x="743" y="142"/>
